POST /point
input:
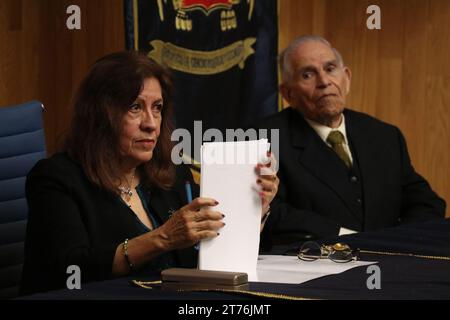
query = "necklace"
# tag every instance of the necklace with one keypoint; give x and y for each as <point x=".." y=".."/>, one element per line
<point x="127" y="190"/>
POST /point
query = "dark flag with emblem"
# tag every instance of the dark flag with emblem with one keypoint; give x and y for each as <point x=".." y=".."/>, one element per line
<point x="222" y="53"/>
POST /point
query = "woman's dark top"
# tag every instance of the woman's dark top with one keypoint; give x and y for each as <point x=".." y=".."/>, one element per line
<point x="73" y="222"/>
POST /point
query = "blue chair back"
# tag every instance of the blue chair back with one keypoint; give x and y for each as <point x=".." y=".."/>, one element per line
<point x="22" y="144"/>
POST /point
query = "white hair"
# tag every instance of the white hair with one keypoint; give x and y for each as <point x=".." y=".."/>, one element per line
<point x="284" y="58"/>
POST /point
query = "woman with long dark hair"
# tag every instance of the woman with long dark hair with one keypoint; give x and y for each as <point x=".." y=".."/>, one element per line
<point x="113" y="202"/>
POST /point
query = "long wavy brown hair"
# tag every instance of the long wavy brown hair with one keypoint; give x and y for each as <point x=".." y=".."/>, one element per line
<point x="100" y="103"/>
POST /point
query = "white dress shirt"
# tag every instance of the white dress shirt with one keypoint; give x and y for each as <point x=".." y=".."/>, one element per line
<point x="323" y="132"/>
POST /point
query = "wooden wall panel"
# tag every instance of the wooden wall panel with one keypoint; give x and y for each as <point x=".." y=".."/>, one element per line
<point x="41" y="59"/>
<point x="437" y="91"/>
<point x="401" y="73"/>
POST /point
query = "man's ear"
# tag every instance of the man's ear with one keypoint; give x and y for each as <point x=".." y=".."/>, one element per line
<point x="348" y="76"/>
<point x="285" y="92"/>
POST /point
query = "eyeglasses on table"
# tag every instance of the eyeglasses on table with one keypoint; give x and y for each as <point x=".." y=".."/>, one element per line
<point x="338" y="252"/>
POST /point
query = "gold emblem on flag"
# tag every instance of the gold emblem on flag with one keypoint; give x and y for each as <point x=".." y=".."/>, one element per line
<point x="183" y="8"/>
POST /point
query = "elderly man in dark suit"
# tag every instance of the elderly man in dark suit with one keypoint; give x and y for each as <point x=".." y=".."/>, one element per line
<point x="340" y="171"/>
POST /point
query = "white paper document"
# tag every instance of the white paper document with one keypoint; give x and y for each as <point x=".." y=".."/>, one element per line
<point x="290" y="269"/>
<point x="229" y="176"/>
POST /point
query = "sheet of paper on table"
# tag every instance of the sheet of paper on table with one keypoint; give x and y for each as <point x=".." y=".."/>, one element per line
<point x="229" y="176"/>
<point x="290" y="269"/>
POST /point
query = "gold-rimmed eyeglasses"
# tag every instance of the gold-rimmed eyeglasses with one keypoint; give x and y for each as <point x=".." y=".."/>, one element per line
<point x="338" y="252"/>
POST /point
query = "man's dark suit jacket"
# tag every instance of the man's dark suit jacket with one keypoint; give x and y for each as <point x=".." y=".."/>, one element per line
<point x="72" y="222"/>
<point x="316" y="195"/>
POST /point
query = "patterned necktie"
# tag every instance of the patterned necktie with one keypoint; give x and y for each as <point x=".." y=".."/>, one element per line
<point x="336" y="140"/>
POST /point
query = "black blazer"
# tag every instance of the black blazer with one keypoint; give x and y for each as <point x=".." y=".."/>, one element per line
<point x="72" y="222"/>
<point x="315" y="196"/>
